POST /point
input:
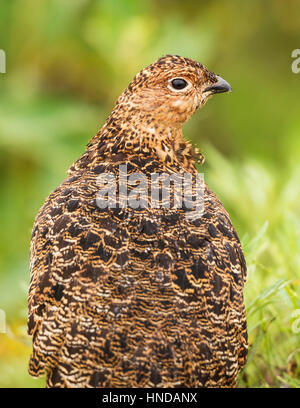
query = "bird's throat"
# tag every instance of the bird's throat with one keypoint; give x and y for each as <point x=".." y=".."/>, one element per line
<point x="146" y="137"/>
<point x="140" y="136"/>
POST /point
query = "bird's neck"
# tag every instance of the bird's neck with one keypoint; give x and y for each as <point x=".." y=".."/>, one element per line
<point x="141" y="135"/>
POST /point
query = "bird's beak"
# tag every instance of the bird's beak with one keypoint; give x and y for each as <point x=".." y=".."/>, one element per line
<point x="218" y="87"/>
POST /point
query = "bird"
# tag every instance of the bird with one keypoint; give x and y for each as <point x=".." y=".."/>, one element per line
<point x="144" y="295"/>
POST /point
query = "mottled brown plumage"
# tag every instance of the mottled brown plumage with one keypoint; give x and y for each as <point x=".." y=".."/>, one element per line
<point x="146" y="297"/>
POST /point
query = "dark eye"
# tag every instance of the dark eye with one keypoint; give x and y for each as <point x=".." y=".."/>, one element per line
<point x="179" y="83"/>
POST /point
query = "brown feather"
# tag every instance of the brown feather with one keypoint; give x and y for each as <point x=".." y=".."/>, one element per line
<point x="146" y="297"/>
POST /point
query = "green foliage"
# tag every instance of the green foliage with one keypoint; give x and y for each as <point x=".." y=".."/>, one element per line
<point x="67" y="61"/>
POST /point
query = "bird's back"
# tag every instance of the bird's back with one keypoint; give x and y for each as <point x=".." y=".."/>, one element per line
<point x="134" y="297"/>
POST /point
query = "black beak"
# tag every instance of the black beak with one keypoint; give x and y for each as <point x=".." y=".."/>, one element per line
<point x="218" y="87"/>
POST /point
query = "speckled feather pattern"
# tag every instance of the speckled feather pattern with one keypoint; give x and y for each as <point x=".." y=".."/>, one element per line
<point x="123" y="297"/>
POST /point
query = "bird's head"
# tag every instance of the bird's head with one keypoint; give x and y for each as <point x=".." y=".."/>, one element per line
<point x="171" y="90"/>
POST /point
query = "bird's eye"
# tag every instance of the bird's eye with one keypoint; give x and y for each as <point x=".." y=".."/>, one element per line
<point x="179" y="83"/>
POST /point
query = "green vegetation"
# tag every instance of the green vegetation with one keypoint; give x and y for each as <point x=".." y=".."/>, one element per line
<point x="67" y="61"/>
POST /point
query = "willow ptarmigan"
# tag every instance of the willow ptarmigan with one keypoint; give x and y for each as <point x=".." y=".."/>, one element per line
<point x="138" y="295"/>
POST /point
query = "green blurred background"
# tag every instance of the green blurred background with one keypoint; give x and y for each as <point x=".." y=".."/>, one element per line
<point x="67" y="62"/>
